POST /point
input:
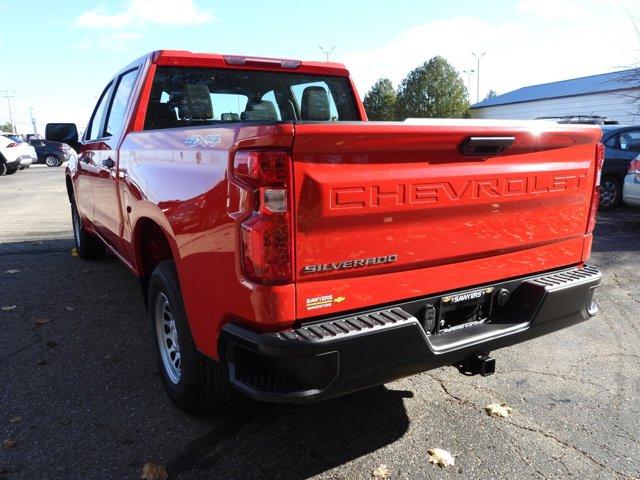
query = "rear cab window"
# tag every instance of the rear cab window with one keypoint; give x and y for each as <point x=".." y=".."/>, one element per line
<point x="194" y="96"/>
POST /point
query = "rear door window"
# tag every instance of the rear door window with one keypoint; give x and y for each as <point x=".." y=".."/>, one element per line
<point x="117" y="112"/>
<point x="95" y="128"/>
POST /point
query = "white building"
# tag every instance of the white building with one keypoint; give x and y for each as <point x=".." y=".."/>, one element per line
<point x="614" y="95"/>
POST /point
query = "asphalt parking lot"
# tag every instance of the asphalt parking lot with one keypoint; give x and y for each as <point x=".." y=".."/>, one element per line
<point x="80" y="396"/>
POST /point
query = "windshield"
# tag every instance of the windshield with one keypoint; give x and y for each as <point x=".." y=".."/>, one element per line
<point x="186" y="96"/>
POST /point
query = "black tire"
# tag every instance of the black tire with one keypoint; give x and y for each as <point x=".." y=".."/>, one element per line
<point x="87" y="246"/>
<point x="12" y="171"/>
<point x="202" y="382"/>
<point x="52" y="161"/>
<point x="3" y="169"/>
<point x="610" y="193"/>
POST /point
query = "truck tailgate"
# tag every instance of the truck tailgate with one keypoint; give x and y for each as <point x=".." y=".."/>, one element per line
<point x="389" y="211"/>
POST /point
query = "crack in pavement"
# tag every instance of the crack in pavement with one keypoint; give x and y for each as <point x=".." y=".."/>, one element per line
<point x="556" y="375"/>
<point x="537" y="430"/>
<point x="18" y="350"/>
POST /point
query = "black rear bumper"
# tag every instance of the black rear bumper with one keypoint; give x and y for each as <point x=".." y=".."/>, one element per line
<point x="338" y="355"/>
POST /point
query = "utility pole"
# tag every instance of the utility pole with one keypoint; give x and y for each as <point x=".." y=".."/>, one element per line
<point x="327" y="51"/>
<point x="33" y="121"/>
<point x="468" y="73"/>
<point x="478" y="58"/>
<point x="9" y="97"/>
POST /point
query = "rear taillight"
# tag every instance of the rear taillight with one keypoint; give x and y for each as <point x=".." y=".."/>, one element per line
<point x="266" y="231"/>
<point x="634" y="166"/>
<point x="12" y="145"/>
<point x="595" y="196"/>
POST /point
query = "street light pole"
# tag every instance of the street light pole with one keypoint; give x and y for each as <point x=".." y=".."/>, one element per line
<point x="9" y="97"/>
<point x="33" y="121"/>
<point x="468" y="73"/>
<point x="327" y="51"/>
<point x="478" y="58"/>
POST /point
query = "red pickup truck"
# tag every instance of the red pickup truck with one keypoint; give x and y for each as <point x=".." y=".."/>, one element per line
<point x="290" y="248"/>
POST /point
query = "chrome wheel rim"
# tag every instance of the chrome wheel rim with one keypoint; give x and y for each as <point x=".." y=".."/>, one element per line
<point x="167" y="335"/>
<point x="608" y="193"/>
<point x="76" y="227"/>
<point x="51" y="161"/>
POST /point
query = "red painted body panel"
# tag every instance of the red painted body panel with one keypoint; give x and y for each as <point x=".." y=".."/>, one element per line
<point x="360" y="190"/>
<point x="379" y="190"/>
<point x="186" y="192"/>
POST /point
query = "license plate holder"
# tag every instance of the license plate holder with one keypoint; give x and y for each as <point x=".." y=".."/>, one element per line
<point x="465" y="309"/>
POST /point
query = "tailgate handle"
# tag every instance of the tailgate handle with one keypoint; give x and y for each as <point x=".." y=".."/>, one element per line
<point x="485" y="146"/>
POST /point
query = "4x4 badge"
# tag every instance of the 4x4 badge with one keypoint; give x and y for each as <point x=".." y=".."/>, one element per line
<point x="206" y="141"/>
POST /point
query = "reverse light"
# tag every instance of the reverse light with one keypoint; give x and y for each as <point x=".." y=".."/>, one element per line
<point x="266" y="232"/>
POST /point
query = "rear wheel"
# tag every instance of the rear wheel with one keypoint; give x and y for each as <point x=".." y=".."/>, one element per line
<point x="3" y="169"/>
<point x="88" y="246"/>
<point x="52" y="161"/>
<point x="610" y="193"/>
<point x="192" y="381"/>
<point x="11" y="171"/>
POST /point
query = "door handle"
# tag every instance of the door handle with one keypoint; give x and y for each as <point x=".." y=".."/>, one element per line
<point x="108" y="162"/>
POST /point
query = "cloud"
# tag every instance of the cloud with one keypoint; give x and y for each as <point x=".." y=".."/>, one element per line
<point x="531" y="52"/>
<point x="139" y="13"/>
<point x="554" y="9"/>
<point x="453" y="38"/>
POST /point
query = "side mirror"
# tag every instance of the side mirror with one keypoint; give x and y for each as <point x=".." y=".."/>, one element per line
<point x="64" y="133"/>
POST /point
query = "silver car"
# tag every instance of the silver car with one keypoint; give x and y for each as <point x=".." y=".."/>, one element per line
<point x="631" y="188"/>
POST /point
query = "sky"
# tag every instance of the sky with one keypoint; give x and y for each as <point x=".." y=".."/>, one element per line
<point x="60" y="55"/>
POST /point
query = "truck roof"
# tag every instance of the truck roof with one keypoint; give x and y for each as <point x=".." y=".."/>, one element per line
<point x="197" y="59"/>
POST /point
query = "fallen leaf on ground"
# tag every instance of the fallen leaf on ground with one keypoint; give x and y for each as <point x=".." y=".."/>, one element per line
<point x="441" y="458"/>
<point x="9" y="443"/>
<point x="7" y="308"/>
<point x="65" y="421"/>
<point x="15" y="418"/>
<point x="74" y="252"/>
<point x="153" y="471"/>
<point x="51" y="344"/>
<point x="41" y="321"/>
<point x="382" y="472"/>
<point x="42" y="363"/>
<point x="501" y="410"/>
<point x="71" y="309"/>
<point x="12" y="271"/>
